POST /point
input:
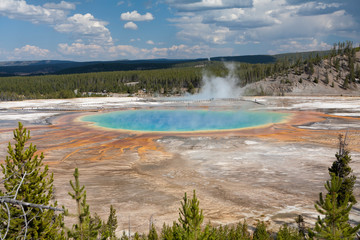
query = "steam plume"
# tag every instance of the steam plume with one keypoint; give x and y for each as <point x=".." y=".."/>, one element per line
<point x="219" y="87"/>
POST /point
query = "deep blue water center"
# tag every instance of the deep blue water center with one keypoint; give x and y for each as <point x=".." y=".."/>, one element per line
<point x="183" y="120"/>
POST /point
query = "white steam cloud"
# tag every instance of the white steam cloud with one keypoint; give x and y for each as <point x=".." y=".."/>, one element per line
<point x="219" y="87"/>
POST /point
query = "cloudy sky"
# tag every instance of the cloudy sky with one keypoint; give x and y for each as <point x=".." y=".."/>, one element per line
<point x="85" y="30"/>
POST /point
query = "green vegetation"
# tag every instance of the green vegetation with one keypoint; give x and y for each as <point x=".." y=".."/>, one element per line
<point x="164" y="81"/>
<point x="87" y="227"/>
<point x="161" y="81"/>
<point x="191" y="217"/>
<point x="341" y="169"/>
<point x="174" y="78"/>
<point x="335" y="224"/>
<point x="27" y="181"/>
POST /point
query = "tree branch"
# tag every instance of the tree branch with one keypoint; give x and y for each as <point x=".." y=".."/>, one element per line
<point x="9" y="219"/>
<point x="21" y="203"/>
<point x="17" y="190"/>
<point x="25" y="219"/>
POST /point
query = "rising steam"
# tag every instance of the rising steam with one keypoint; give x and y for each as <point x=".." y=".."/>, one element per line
<point x="219" y="87"/>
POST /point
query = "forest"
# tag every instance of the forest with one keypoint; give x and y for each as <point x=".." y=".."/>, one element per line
<point x="29" y="210"/>
<point x="176" y="80"/>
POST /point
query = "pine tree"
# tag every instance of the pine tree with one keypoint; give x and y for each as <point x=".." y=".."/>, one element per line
<point x="87" y="226"/>
<point x="152" y="233"/>
<point x="166" y="232"/>
<point x="335" y="224"/>
<point x="27" y="179"/>
<point x="124" y="236"/>
<point x="341" y="168"/>
<point x="191" y="217"/>
<point x="288" y="233"/>
<point x="260" y="232"/>
<point x="111" y="224"/>
<point x="242" y="231"/>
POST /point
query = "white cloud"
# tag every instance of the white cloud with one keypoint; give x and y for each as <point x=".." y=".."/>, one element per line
<point x="19" y="9"/>
<point x="86" y="26"/>
<point x="134" y="40"/>
<point x="200" y="5"/>
<point x="303" y="26"/>
<point x="85" y="51"/>
<point x="262" y="22"/>
<point x="299" y="45"/>
<point x="126" y="51"/>
<point x="56" y="15"/>
<point x="316" y="8"/>
<point x="135" y="16"/>
<point x="130" y="25"/>
<point x="193" y="29"/>
<point x="80" y="49"/>
<point x="185" y="51"/>
<point x="28" y="52"/>
<point x="62" y="5"/>
<point x="31" y="50"/>
<point x="150" y="42"/>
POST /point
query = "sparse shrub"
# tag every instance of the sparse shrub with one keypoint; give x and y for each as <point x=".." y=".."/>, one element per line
<point x="326" y="80"/>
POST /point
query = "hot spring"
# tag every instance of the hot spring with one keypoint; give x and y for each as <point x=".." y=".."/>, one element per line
<point x="183" y="120"/>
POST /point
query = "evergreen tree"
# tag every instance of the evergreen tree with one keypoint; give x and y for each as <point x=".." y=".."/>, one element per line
<point x="242" y="231"/>
<point x="260" y="232"/>
<point x="191" y="217"/>
<point x="26" y="179"/>
<point x="341" y="168"/>
<point x="108" y="229"/>
<point x="124" y="236"/>
<point x="346" y="82"/>
<point x="152" y="233"/>
<point x="87" y="226"/>
<point x="288" y="233"/>
<point x="166" y="232"/>
<point x="335" y="224"/>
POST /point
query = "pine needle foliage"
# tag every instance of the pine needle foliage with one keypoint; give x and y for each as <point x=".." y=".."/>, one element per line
<point x="88" y="227"/>
<point x="234" y="232"/>
<point x="26" y="179"/>
<point x="335" y="224"/>
<point x="111" y="224"/>
<point x="261" y="232"/>
<point x="342" y="169"/>
<point x="288" y="233"/>
<point x="191" y="217"/>
<point x="153" y="233"/>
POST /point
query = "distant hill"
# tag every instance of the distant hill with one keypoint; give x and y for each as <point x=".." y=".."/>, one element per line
<point x="123" y="65"/>
<point x="36" y="67"/>
<point x="44" y="67"/>
<point x="247" y="59"/>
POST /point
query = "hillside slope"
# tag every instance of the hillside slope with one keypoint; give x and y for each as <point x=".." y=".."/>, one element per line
<point x="329" y="77"/>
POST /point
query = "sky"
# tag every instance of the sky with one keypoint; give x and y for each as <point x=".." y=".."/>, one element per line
<point x="89" y="30"/>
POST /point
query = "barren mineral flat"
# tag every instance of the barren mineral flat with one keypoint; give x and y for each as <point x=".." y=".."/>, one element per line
<point x="271" y="173"/>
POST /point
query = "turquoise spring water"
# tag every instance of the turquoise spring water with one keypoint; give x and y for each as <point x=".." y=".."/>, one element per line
<point x="183" y="120"/>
